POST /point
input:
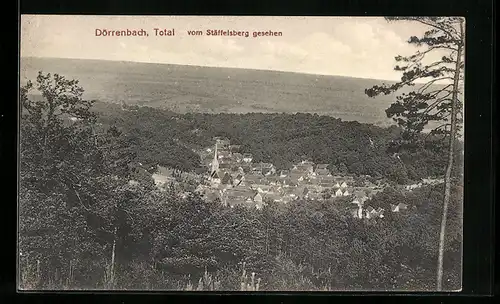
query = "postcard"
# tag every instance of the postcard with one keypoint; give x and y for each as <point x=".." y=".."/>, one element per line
<point x="241" y="153"/>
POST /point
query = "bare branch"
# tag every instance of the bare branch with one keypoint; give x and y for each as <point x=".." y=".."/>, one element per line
<point x="441" y="126"/>
<point x="443" y="47"/>
<point x="436" y="92"/>
<point x="432" y="132"/>
<point x="434" y="105"/>
<point x="430" y="82"/>
<point x="80" y="200"/>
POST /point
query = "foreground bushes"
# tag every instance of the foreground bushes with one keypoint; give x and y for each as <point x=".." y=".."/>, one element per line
<point x="300" y="246"/>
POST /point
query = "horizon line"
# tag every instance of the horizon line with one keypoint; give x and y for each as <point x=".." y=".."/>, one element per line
<point x="209" y="66"/>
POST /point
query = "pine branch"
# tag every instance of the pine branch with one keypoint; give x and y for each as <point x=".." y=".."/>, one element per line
<point x="443" y="47"/>
<point x="432" y="132"/>
<point x="421" y="20"/>
<point x="435" y="104"/>
<point x="435" y="92"/>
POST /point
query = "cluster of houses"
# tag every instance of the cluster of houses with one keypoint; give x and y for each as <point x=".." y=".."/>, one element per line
<point x="425" y="181"/>
<point x="232" y="177"/>
<point x="235" y="179"/>
<point x="367" y="211"/>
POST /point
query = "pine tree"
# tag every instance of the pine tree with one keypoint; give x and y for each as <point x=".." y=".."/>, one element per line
<point x="429" y="102"/>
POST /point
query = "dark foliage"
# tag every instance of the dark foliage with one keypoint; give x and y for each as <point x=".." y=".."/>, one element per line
<point x="162" y="137"/>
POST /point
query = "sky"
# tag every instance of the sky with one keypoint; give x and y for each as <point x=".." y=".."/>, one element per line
<point x="362" y="47"/>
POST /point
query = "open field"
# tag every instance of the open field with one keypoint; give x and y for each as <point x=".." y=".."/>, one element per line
<point x="217" y="90"/>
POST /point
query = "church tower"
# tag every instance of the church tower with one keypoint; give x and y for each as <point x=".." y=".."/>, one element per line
<point x="214" y="173"/>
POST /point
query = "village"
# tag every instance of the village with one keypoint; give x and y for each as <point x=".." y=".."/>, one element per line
<point x="230" y="175"/>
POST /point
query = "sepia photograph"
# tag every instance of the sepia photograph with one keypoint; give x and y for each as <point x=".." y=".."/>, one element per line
<point x="241" y="153"/>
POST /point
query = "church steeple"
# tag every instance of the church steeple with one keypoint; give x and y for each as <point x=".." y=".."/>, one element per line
<point x="215" y="164"/>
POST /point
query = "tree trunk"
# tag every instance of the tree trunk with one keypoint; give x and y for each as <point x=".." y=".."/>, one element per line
<point x="94" y="134"/>
<point x="112" y="271"/>
<point x="38" y="275"/>
<point x="448" y="175"/>
<point x="69" y="278"/>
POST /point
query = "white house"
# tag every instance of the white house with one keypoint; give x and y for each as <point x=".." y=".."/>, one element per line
<point x="380" y="212"/>
<point x="357" y="213"/>
<point x="247" y="157"/>
<point x="369" y="212"/>
<point x="346" y="193"/>
<point x="200" y="188"/>
<point x="360" y="212"/>
<point x="338" y="192"/>
<point x="284" y="173"/>
<point x="343" y="185"/>
<point x="372" y="213"/>
<point x="398" y="207"/>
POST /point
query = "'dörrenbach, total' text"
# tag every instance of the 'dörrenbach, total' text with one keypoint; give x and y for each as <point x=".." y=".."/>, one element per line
<point x="126" y="32"/>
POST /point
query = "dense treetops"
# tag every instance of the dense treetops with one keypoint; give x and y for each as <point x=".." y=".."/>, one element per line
<point x="166" y="138"/>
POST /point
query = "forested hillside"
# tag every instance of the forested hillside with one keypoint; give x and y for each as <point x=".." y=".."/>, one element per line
<point x="167" y="138"/>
